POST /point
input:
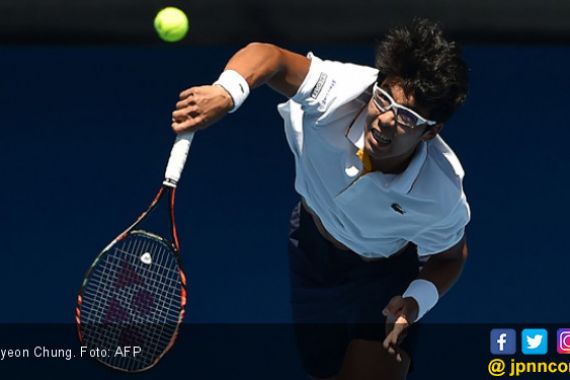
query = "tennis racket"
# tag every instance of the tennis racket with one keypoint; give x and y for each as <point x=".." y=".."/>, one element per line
<point x="131" y="302"/>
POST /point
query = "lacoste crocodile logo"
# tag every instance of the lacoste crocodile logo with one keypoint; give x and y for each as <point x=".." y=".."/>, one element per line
<point x="396" y="207"/>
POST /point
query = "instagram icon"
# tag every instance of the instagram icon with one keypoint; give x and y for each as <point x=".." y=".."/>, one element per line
<point x="563" y="341"/>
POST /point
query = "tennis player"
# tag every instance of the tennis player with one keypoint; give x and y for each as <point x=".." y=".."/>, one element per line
<point x="379" y="234"/>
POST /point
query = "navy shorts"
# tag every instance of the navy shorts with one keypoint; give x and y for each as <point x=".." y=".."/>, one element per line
<point x="336" y="296"/>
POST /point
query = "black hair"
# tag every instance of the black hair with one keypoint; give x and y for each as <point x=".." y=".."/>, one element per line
<point x="429" y="67"/>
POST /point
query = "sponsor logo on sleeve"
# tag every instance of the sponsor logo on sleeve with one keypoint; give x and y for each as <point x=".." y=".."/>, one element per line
<point x="319" y="86"/>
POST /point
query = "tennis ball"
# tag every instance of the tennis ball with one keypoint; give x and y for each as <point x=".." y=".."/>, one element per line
<point x="171" y="24"/>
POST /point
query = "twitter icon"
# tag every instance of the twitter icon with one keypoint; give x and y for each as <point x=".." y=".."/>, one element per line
<point x="534" y="341"/>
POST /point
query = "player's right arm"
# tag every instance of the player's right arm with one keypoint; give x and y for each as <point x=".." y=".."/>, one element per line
<point x="258" y="63"/>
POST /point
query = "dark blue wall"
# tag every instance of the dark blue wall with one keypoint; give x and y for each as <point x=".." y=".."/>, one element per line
<point x="85" y="137"/>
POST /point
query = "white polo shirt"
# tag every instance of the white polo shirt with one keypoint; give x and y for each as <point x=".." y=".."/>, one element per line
<point x="374" y="214"/>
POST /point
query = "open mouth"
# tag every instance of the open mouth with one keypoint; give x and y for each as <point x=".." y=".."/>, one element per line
<point x="380" y="138"/>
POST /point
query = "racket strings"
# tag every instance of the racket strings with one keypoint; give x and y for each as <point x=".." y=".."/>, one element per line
<point x="131" y="332"/>
<point x="133" y="298"/>
<point x="115" y="268"/>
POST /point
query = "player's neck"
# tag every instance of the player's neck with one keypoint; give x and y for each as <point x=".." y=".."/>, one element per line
<point x="393" y="165"/>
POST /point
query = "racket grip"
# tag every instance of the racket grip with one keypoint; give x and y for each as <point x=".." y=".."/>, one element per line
<point x="177" y="159"/>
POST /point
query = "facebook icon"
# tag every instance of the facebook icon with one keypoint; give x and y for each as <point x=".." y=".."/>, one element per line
<point x="503" y="341"/>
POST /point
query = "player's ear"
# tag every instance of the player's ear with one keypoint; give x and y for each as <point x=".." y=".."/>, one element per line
<point x="432" y="131"/>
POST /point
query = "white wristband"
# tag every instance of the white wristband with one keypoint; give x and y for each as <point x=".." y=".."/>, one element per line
<point x="235" y="85"/>
<point x="425" y="293"/>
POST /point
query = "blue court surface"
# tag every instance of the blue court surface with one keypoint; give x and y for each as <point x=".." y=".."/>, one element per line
<point x="85" y="138"/>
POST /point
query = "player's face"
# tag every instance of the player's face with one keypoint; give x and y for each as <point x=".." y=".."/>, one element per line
<point x="388" y="138"/>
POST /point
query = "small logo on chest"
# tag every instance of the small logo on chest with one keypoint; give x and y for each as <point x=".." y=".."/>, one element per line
<point x="399" y="209"/>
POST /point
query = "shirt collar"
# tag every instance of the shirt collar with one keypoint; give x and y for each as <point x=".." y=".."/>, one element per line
<point x="355" y="131"/>
<point x="403" y="182"/>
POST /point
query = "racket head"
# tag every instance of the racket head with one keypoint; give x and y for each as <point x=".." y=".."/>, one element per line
<point x="134" y="294"/>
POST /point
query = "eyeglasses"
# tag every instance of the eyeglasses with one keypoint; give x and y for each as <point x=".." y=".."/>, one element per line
<point x="403" y="115"/>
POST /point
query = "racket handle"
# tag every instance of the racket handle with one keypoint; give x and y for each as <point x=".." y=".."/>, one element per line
<point x="177" y="159"/>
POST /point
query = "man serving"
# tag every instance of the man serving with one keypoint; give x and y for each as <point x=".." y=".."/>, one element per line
<point x="380" y="190"/>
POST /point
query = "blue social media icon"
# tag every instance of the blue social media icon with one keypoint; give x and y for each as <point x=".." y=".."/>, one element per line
<point x="534" y="341"/>
<point x="503" y="341"/>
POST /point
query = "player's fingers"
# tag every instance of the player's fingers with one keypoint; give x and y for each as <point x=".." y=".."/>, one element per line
<point x="184" y="113"/>
<point x="186" y="102"/>
<point x="393" y="337"/>
<point x="199" y="121"/>
<point x="196" y="91"/>
<point x="185" y="126"/>
<point x="181" y="104"/>
<point x="179" y="116"/>
<point x="395" y="332"/>
<point x="386" y="342"/>
<point x="186" y="93"/>
<point x="389" y="346"/>
<point x="191" y="123"/>
<point x="178" y="127"/>
<point x="393" y="350"/>
<point x="389" y="339"/>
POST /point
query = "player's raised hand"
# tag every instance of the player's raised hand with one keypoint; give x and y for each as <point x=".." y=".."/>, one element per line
<point x="199" y="107"/>
<point x="400" y="314"/>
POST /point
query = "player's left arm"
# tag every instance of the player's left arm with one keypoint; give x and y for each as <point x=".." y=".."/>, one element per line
<point x="442" y="270"/>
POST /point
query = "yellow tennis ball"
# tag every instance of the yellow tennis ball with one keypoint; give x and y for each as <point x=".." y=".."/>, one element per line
<point x="171" y="24"/>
